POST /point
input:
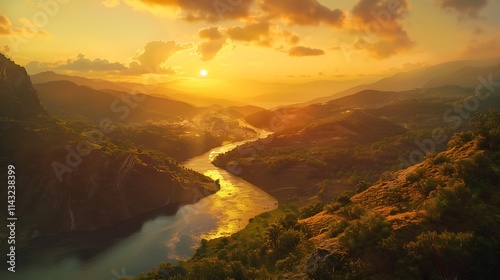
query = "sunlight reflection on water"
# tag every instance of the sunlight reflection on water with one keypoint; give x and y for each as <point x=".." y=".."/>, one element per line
<point x="161" y="239"/>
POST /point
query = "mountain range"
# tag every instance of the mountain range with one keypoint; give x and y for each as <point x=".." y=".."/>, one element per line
<point x="462" y="73"/>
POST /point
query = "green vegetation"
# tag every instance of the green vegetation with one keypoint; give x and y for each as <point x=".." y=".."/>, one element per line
<point x="105" y="170"/>
<point x="438" y="220"/>
<point x="322" y="149"/>
<point x="487" y="127"/>
<point x="326" y="149"/>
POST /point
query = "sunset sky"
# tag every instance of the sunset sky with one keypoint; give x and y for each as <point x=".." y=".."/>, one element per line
<point x="267" y="40"/>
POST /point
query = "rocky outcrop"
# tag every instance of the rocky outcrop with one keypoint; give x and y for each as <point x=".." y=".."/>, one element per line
<point x="17" y="96"/>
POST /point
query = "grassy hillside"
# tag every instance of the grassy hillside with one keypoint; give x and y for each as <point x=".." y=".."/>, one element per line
<point x="434" y="220"/>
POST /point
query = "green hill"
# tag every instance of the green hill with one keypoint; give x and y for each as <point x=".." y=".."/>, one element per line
<point x="438" y="219"/>
<point x="67" y="100"/>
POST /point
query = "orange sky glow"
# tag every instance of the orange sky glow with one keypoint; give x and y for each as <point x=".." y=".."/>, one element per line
<point x="264" y="40"/>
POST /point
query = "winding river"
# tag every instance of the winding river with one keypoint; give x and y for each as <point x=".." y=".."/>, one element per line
<point x="113" y="253"/>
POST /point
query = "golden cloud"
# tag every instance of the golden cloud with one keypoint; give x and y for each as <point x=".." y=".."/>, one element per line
<point x="254" y="32"/>
<point x="154" y="55"/>
<point x="151" y="60"/>
<point x="306" y="12"/>
<point x="5" y="25"/>
<point x="379" y="27"/>
<point x="466" y="9"/>
<point x="211" y="33"/>
<point x="300" y="51"/>
<point x="214" y="42"/>
<point x="211" y="10"/>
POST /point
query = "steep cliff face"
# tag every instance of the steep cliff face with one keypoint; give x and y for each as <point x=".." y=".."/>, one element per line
<point x="17" y="96"/>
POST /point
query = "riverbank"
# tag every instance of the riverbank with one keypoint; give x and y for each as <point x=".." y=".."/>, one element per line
<point x="137" y="246"/>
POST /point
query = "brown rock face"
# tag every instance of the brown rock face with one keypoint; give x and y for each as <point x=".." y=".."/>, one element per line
<point x="18" y="99"/>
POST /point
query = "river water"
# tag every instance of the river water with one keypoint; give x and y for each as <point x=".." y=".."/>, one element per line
<point x="130" y="250"/>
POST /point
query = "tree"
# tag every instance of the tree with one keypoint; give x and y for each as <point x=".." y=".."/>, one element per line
<point x="365" y="232"/>
<point x="487" y="126"/>
<point x="445" y="254"/>
<point x="288" y="221"/>
<point x="289" y="239"/>
<point x="273" y="233"/>
<point x="209" y="269"/>
<point x="311" y="210"/>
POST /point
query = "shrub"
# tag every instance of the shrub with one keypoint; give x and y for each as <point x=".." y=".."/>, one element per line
<point x="288" y="240"/>
<point x="487" y="128"/>
<point x="351" y="212"/>
<point x="288" y="221"/>
<point x="222" y="255"/>
<point x="311" y="210"/>
<point x="326" y="265"/>
<point x="344" y="197"/>
<point x="448" y="169"/>
<point x="416" y="175"/>
<point x="320" y="270"/>
<point x="440" y="159"/>
<point x="236" y="271"/>
<point x="477" y="171"/>
<point x="429" y="185"/>
<point x="437" y="255"/>
<point x="337" y="228"/>
<point x="362" y="186"/>
<point x="358" y="269"/>
<point x="339" y="201"/>
<point x="365" y="232"/>
<point x="272" y="234"/>
<point x="288" y="263"/>
<point x="448" y="203"/>
<point x="332" y="207"/>
<point x="209" y="268"/>
<point x="459" y="139"/>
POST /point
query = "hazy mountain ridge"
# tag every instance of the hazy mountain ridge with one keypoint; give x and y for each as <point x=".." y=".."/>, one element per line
<point x="305" y="91"/>
<point x="250" y="91"/>
<point x="427" y="77"/>
<point x="159" y="90"/>
<point x="64" y="97"/>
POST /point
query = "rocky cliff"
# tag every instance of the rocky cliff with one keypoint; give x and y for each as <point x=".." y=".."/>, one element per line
<point x="17" y="96"/>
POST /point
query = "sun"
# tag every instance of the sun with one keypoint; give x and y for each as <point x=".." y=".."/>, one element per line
<point x="203" y="73"/>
